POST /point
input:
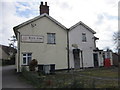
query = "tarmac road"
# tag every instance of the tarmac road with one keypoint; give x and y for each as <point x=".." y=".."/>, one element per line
<point x="10" y="78"/>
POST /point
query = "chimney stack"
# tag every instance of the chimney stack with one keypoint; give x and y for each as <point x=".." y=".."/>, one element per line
<point x="44" y="8"/>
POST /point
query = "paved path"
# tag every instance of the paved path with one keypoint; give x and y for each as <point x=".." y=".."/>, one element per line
<point x="10" y="78"/>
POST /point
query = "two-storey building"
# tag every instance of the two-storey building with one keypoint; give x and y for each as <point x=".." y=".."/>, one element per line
<point x="49" y="42"/>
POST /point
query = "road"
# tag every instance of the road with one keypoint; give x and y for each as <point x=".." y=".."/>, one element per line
<point x="10" y="78"/>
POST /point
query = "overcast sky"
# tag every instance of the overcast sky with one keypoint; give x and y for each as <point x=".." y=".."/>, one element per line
<point x="100" y="15"/>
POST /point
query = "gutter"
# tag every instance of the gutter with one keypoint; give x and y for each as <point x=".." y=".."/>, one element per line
<point x="68" y="49"/>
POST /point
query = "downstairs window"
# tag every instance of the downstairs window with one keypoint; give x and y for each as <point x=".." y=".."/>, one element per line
<point x="27" y="57"/>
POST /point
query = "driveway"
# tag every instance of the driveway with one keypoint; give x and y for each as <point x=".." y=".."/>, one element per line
<point x="10" y="78"/>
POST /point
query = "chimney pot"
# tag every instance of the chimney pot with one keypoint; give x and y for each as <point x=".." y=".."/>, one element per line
<point x="45" y="3"/>
<point x="41" y="3"/>
<point x="44" y="8"/>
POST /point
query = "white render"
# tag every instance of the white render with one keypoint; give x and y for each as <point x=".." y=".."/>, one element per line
<point x="75" y="37"/>
<point x="100" y="58"/>
<point x="57" y="54"/>
<point x="44" y="53"/>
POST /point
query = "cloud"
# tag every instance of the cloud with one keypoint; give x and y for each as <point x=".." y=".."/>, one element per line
<point x="22" y="6"/>
<point x="9" y="20"/>
<point x="27" y="10"/>
<point x="100" y="15"/>
<point x="99" y="19"/>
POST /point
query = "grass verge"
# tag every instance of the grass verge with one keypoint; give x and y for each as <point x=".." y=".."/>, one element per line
<point x="73" y="79"/>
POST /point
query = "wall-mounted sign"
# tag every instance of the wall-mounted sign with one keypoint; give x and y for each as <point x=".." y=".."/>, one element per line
<point x="32" y="38"/>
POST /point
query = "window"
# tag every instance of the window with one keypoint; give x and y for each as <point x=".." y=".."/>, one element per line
<point x="51" y="38"/>
<point x="84" y="37"/>
<point x="27" y="57"/>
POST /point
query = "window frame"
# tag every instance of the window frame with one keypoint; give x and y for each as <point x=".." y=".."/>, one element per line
<point x="26" y="56"/>
<point x="84" y="37"/>
<point x="50" y="38"/>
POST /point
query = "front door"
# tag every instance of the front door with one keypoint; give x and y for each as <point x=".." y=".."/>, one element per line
<point x="76" y="58"/>
<point x="77" y="63"/>
<point x="95" y="57"/>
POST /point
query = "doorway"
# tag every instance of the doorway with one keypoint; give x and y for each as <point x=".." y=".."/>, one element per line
<point x="76" y="58"/>
<point x="95" y="57"/>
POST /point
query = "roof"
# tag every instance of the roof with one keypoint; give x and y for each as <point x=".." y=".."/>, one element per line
<point x="116" y="54"/>
<point x="97" y="50"/>
<point x="7" y="49"/>
<point x="81" y="23"/>
<point x="36" y="18"/>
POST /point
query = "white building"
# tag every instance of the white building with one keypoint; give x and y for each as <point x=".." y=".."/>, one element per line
<point x="42" y="38"/>
<point x="82" y="37"/>
<point x="51" y="43"/>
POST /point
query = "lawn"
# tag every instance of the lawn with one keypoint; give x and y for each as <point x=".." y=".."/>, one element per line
<point x="101" y="72"/>
<point x="75" y="78"/>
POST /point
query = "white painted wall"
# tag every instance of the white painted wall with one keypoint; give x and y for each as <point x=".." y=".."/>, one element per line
<point x="111" y="58"/>
<point x="100" y="57"/>
<point x="75" y="37"/>
<point x="43" y="52"/>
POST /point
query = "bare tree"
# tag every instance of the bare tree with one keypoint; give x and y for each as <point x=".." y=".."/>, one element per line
<point x="116" y="38"/>
<point x="12" y="41"/>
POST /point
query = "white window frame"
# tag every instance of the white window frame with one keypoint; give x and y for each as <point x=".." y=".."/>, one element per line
<point x="84" y="38"/>
<point x="51" y="38"/>
<point x="26" y="56"/>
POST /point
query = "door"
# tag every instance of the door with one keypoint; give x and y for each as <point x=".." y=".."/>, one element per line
<point x="76" y="58"/>
<point x="76" y="63"/>
<point x="95" y="57"/>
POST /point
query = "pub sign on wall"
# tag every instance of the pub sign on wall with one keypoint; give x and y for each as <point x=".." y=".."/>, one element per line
<point x="32" y="38"/>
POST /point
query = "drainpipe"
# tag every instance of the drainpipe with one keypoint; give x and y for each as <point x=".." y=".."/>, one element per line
<point x="68" y="49"/>
<point x="18" y="52"/>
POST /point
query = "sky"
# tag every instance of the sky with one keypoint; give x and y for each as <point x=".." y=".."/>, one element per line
<point x="100" y="15"/>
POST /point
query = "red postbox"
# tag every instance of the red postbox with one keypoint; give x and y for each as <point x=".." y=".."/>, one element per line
<point x="107" y="62"/>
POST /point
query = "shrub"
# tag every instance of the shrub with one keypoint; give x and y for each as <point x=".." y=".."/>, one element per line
<point x="32" y="77"/>
<point x="33" y="64"/>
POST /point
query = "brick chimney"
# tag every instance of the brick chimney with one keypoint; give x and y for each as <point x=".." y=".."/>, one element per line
<point x="44" y="8"/>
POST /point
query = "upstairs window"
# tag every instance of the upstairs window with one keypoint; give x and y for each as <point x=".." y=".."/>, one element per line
<point x="84" y="39"/>
<point x="27" y="57"/>
<point x="51" y="38"/>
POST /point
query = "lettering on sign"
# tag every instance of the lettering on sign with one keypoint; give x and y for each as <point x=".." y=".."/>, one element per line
<point x="32" y="38"/>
